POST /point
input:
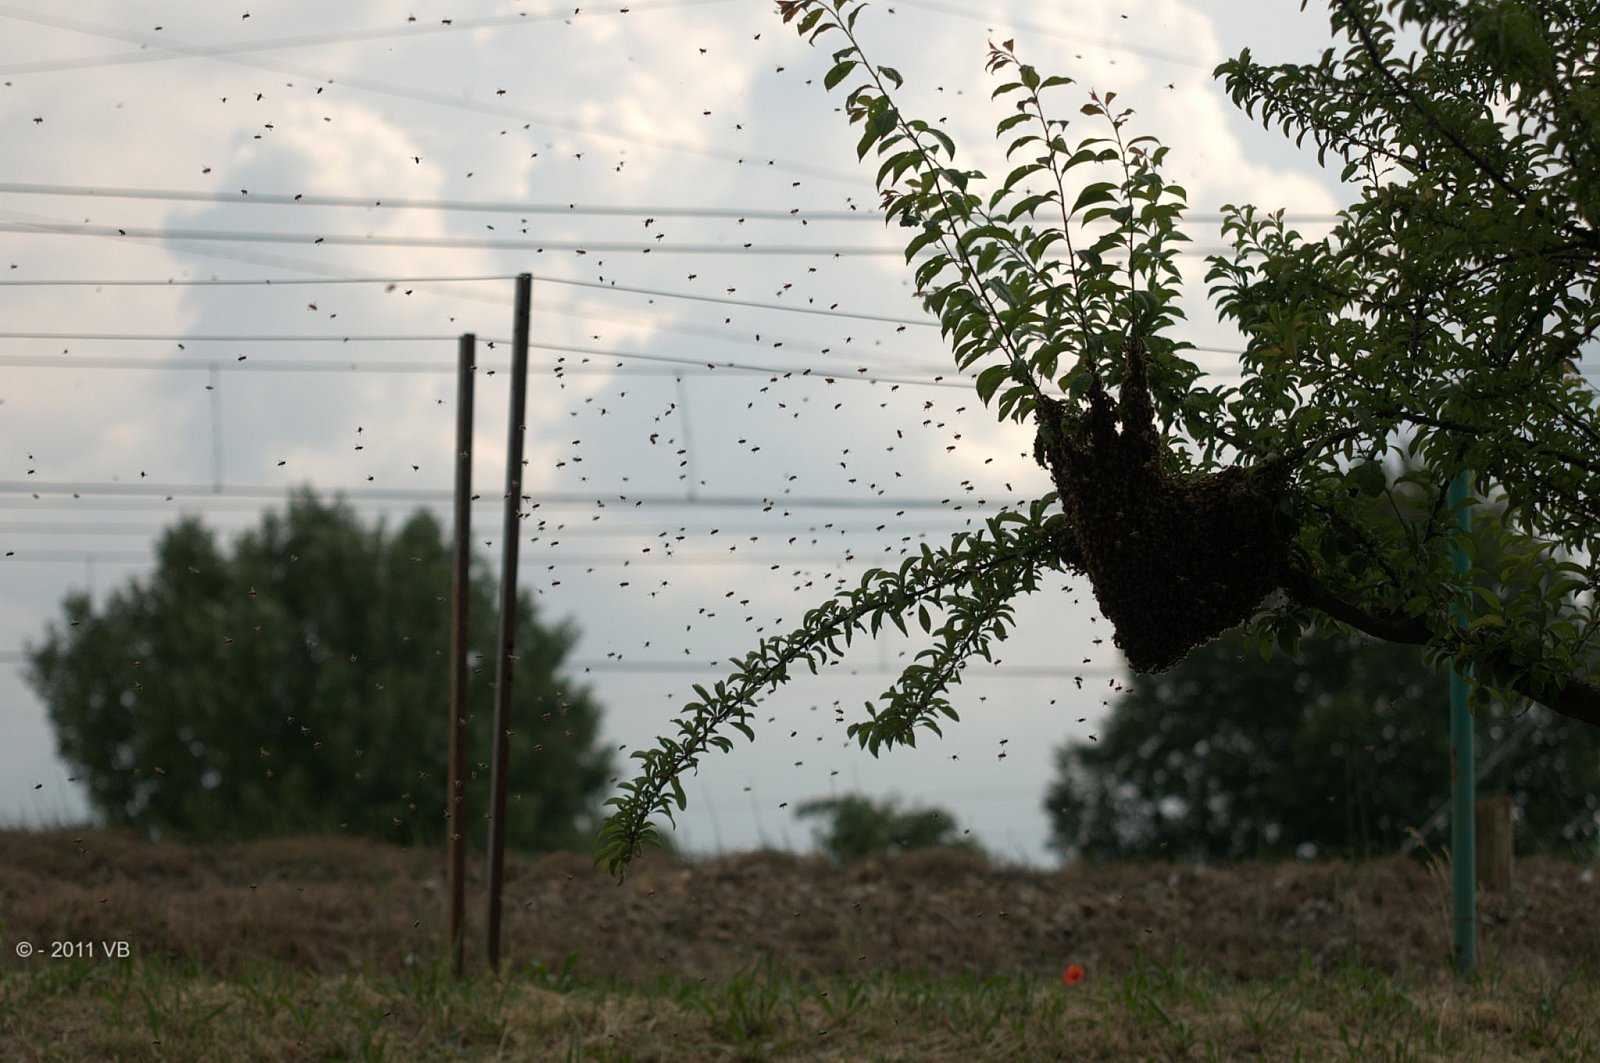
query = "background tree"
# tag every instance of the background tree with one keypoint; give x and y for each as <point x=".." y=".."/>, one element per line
<point x="1338" y="749"/>
<point x="1437" y="321"/>
<point x="856" y="827"/>
<point x="299" y="683"/>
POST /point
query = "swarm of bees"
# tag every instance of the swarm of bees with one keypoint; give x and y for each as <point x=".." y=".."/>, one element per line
<point x="1174" y="560"/>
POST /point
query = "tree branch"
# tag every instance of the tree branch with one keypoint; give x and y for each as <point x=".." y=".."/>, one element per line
<point x="1578" y="699"/>
<point x="1376" y="58"/>
<point x="1408" y="630"/>
<point x="1467" y="428"/>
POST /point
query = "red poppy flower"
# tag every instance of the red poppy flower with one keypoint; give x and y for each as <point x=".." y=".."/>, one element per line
<point x="1073" y="974"/>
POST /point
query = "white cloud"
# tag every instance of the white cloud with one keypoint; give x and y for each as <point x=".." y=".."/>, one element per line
<point x="612" y="89"/>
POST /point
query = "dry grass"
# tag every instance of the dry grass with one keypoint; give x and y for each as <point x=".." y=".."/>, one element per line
<point x="327" y="949"/>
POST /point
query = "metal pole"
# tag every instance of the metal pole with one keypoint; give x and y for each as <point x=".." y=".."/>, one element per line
<point x="508" y="615"/>
<point x="1463" y="779"/>
<point x="455" y="815"/>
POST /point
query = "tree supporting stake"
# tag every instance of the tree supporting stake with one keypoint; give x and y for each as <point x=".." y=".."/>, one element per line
<point x="505" y="657"/>
<point x="460" y="594"/>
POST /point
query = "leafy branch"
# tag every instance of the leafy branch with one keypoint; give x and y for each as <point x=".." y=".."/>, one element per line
<point x="1009" y="288"/>
<point x="1432" y="323"/>
<point x="971" y="582"/>
<point x="1002" y="310"/>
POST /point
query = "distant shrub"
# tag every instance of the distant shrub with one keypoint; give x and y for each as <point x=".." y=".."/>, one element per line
<point x="857" y="827"/>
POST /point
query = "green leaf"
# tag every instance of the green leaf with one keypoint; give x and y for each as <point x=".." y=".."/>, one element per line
<point x="868" y="138"/>
<point x="944" y="141"/>
<point x="1098" y="192"/>
<point x="884" y="117"/>
<point x="1022" y="171"/>
<point x="927" y="236"/>
<point x="1012" y="121"/>
<point x="838" y="73"/>
<point x="1370" y="478"/>
<point x="989" y="381"/>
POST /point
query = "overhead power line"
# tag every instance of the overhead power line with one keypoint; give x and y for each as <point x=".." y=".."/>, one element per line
<point x="725" y="301"/>
<point x="837" y="371"/>
<point x="475" y="242"/>
<point x="410" y="29"/>
<point x="247" y="198"/>
<point x="656" y="293"/>
<point x="822" y="522"/>
<point x="241" y="337"/>
<point x="287" y="365"/>
<point x="338" y="338"/>
<point x="651" y="533"/>
<point x="585" y="127"/>
<point x="423" y="495"/>
<point x="1041" y="29"/>
<point x="973" y="673"/>
<point x="671" y="366"/>
<point x="218" y="282"/>
<point x="545" y="560"/>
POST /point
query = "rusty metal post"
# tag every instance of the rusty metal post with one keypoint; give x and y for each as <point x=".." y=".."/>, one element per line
<point x="506" y="647"/>
<point x="455" y="816"/>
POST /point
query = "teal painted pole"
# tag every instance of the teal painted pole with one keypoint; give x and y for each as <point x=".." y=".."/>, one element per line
<point x="1463" y="781"/>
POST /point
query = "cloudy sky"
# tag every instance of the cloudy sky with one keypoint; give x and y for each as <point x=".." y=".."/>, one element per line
<point x="686" y="195"/>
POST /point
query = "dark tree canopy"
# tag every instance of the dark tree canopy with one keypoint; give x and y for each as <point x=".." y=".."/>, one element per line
<point x="298" y="682"/>
<point x="1436" y="324"/>
<point x="1337" y="749"/>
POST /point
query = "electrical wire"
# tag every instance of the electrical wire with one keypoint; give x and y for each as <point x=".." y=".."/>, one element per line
<point x="533" y="560"/>
<point x="587" y="128"/>
<point x="540" y="279"/>
<point x="976" y="672"/>
<point x="651" y="533"/>
<point x="723" y="301"/>
<point x="411" y="29"/>
<point x="699" y="367"/>
<point x="716" y="334"/>
<point x="441" y="495"/>
<point x="245" y="198"/>
<point x="1040" y="29"/>
<point x="477" y="242"/>
<point x="566" y="282"/>
<point x="269" y="282"/>
<point x="202" y="337"/>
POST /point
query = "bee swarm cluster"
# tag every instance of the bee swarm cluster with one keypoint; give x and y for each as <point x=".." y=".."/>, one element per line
<point x="1174" y="560"/>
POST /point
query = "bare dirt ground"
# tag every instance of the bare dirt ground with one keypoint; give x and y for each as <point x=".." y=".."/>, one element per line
<point x="335" y="905"/>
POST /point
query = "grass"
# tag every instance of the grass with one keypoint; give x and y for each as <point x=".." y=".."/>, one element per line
<point x="329" y="950"/>
<point x="78" y="1010"/>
